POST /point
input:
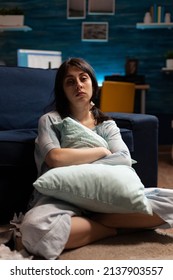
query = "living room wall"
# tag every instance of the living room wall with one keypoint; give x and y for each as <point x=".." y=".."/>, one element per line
<point x="51" y="30"/>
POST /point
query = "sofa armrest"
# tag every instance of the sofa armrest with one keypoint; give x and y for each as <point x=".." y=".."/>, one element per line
<point x="145" y="138"/>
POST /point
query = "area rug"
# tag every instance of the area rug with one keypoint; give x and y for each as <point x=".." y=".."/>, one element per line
<point x="149" y="244"/>
<point x="10" y="244"/>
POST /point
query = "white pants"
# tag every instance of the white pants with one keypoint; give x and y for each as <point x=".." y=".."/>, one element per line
<point x="46" y="227"/>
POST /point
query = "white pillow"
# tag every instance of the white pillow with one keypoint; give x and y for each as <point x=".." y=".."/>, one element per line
<point x="76" y="135"/>
<point x="96" y="187"/>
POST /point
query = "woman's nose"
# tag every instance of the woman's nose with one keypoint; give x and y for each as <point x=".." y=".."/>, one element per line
<point x="78" y="84"/>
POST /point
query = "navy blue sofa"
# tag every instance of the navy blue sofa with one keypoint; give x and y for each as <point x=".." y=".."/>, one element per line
<point x="25" y="95"/>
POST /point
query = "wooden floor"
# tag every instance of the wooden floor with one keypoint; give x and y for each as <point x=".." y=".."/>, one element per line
<point x="165" y="167"/>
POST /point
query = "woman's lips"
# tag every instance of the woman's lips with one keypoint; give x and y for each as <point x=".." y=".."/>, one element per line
<point x="80" y="93"/>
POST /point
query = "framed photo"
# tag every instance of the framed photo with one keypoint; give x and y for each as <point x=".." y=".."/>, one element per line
<point x="131" y="66"/>
<point x="95" y="31"/>
<point x="101" y="7"/>
<point x="76" y="9"/>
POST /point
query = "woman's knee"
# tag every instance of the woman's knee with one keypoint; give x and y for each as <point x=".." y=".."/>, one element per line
<point x="45" y="236"/>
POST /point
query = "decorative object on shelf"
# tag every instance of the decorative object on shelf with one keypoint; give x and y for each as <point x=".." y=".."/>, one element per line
<point x="11" y="17"/>
<point x="147" y="18"/>
<point x="131" y="66"/>
<point x="169" y="59"/>
<point x="167" y="18"/>
<point x="156" y="17"/>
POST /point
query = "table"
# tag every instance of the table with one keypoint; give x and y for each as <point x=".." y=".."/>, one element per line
<point x="143" y="89"/>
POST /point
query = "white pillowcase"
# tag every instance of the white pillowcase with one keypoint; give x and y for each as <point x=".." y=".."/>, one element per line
<point x="96" y="187"/>
<point x="76" y="135"/>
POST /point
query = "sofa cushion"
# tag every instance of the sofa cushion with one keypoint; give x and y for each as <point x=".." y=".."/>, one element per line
<point x="127" y="136"/>
<point x="17" y="154"/>
<point x="25" y="95"/>
<point x="18" y="135"/>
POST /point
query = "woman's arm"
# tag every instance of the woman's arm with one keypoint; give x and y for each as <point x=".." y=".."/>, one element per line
<point x="48" y="147"/>
<point x="66" y="156"/>
<point x="120" y="152"/>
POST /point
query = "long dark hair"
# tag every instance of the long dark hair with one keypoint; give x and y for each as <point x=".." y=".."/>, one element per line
<point x="61" y="101"/>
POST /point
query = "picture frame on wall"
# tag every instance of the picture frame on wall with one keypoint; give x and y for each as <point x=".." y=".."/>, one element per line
<point x="101" y="7"/>
<point x="95" y="31"/>
<point x="76" y="9"/>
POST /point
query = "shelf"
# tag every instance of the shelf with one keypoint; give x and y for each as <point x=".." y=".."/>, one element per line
<point x="167" y="69"/>
<point x="15" y="28"/>
<point x="154" y="25"/>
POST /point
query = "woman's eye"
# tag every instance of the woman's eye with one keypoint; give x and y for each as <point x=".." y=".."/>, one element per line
<point x="70" y="82"/>
<point x="84" y="78"/>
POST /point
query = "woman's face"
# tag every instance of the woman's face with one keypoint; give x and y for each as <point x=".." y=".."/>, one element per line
<point x="77" y="86"/>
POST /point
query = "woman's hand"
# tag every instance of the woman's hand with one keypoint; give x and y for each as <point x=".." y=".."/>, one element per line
<point x="66" y="156"/>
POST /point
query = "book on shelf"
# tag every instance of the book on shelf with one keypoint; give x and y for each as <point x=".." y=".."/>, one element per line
<point x="157" y="13"/>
